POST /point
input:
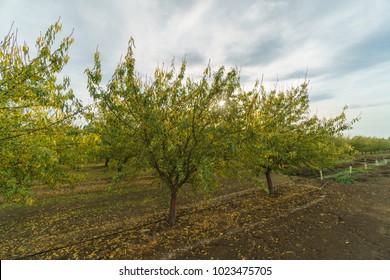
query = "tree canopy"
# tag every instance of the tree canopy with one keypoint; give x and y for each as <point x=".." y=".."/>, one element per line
<point x="282" y="134"/>
<point x="177" y="125"/>
<point x="36" y="113"/>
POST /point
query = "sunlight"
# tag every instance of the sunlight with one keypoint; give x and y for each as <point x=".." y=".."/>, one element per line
<point x="221" y="103"/>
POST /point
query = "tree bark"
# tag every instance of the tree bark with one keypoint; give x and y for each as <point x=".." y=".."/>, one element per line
<point x="269" y="181"/>
<point x="172" y="210"/>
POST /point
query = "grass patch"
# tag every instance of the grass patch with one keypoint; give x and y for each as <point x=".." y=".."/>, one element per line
<point x="345" y="180"/>
<point x="345" y="176"/>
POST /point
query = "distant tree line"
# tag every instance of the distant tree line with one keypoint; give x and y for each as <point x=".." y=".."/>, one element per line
<point x="369" y="145"/>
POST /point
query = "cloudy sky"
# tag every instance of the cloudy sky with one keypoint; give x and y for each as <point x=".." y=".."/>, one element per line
<point x="343" y="46"/>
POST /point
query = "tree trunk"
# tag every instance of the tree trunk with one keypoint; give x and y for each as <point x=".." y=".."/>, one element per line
<point x="172" y="210"/>
<point x="269" y="181"/>
<point x="106" y="162"/>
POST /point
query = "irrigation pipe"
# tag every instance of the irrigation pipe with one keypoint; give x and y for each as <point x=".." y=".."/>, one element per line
<point x="324" y="185"/>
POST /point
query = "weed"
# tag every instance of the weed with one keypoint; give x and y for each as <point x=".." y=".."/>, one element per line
<point x="345" y="180"/>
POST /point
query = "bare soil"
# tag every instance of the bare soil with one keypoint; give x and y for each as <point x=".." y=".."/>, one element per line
<point x="301" y="221"/>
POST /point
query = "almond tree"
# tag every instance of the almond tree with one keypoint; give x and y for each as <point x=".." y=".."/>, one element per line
<point x="172" y="123"/>
<point x="283" y="135"/>
<point x="36" y="113"/>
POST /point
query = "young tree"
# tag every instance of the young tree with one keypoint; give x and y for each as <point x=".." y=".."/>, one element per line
<point x="36" y="112"/>
<point x="282" y="134"/>
<point x="171" y="122"/>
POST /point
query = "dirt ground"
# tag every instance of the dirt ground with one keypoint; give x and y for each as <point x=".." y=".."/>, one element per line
<point x="342" y="221"/>
<point x="302" y="221"/>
